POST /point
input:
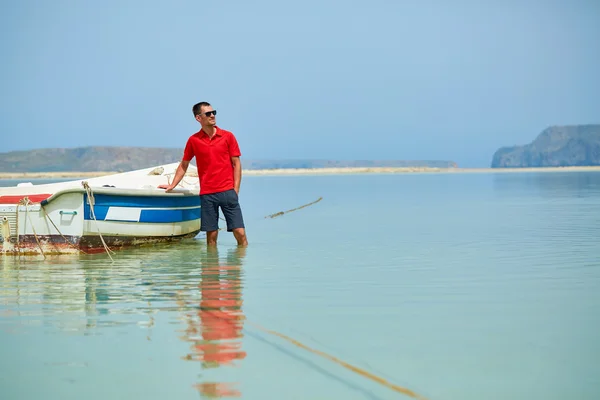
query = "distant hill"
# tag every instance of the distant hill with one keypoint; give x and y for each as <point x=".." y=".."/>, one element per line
<point x="92" y="159"/>
<point x="86" y="159"/>
<point x="556" y="146"/>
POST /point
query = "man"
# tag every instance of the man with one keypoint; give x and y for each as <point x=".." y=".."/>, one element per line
<point x="220" y="172"/>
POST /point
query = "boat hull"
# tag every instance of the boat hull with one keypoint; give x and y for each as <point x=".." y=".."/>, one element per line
<point x="96" y="219"/>
<point x="32" y="245"/>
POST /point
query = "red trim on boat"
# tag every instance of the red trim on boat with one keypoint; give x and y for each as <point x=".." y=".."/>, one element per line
<point x="34" y="198"/>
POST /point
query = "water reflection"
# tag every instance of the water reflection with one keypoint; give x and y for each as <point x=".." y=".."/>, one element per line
<point x="85" y="295"/>
<point x="556" y="184"/>
<point x="215" y="327"/>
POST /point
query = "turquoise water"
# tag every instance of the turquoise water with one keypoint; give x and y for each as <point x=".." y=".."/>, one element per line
<point x="464" y="286"/>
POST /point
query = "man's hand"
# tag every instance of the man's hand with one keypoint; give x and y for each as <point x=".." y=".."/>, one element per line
<point x="167" y="187"/>
<point x="179" y="173"/>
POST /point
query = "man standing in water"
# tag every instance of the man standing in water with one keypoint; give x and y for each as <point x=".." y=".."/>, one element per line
<point x="220" y="172"/>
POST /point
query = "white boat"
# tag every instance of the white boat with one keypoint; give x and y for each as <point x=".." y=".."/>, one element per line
<point x="99" y="214"/>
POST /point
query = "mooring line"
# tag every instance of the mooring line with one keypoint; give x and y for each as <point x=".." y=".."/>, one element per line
<point x="26" y="202"/>
<point x="60" y="233"/>
<point x="344" y="364"/>
<point x="91" y="202"/>
<point x="280" y="213"/>
<point x="293" y="209"/>
<point x="357" y="370"/>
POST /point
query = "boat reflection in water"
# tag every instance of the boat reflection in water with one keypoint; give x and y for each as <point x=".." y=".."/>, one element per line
<point x="92" y="297"/>
<point x="215" y="328"/>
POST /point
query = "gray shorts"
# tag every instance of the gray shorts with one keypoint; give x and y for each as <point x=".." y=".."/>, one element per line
<point x="209" y="211"/>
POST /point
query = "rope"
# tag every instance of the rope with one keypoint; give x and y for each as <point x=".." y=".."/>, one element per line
<point x="182" y="179"/>
<point x="26" y="202"/>
<point x="280" y="213"/>
<point x="91" y="202"/>
<point x="285" y="212"/>
<point x="60" y="233"/>
<point x="357" y="370"/>
<point x="17" y="233"/>
<point x="344" y="364"/>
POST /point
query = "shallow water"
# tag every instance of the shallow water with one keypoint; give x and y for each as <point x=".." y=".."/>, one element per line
<point x="462" y="286"/>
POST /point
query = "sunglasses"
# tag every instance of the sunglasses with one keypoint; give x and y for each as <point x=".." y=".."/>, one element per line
<point x="209" y="113"/>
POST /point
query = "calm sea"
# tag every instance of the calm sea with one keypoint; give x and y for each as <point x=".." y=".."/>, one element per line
<point x="464" y="286"/>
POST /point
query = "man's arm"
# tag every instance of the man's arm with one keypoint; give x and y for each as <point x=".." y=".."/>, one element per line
<point x="237" y="173"/>
<point x="179" y="173"/>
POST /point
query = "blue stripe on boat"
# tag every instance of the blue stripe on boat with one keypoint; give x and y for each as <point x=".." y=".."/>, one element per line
<point x="150" y="215"/>
<point x="170" y="215"/>
<point x="99" y="211"/>
<point x="144" y="201"/>
<point x="104" y="202"/>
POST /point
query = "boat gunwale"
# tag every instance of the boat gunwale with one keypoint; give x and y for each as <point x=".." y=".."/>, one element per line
<point x="127" y="192"/>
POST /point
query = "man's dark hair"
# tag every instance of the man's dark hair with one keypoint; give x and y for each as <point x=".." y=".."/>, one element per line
<point x="198" y="107"/>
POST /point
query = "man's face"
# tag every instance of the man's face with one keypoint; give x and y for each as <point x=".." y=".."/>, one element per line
<point x="207" y="116"/>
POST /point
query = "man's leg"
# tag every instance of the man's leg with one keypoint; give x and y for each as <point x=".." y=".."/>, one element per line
<point x="211" y="238"/>
<point x="240" y="236"/>
<point x="209" y="217"/>
<point x="233" y="215"/>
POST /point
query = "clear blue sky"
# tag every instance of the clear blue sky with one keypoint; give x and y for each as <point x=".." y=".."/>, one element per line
<point x="421" y="79"/>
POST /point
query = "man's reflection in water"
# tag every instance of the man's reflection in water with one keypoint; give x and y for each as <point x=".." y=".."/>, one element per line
<point x="217" y="331"/>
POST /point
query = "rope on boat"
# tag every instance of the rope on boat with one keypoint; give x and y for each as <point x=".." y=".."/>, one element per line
<point x="17" y="232"/>
<point x="168" y="175"/>
<point x="26" y="202"/>
<point x="280" y="213"/>
<point x="91" y="202"/>
<point x="60" y="233"/>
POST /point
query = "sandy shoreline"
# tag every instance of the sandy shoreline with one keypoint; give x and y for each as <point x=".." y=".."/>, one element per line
<point x="316" y="171"/>
<point x="400" y="170"/>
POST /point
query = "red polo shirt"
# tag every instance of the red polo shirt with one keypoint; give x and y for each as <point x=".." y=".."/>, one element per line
<point x="213" y="159"/>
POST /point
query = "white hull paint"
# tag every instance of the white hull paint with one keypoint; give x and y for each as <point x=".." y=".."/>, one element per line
<point x="117" y="228"/>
